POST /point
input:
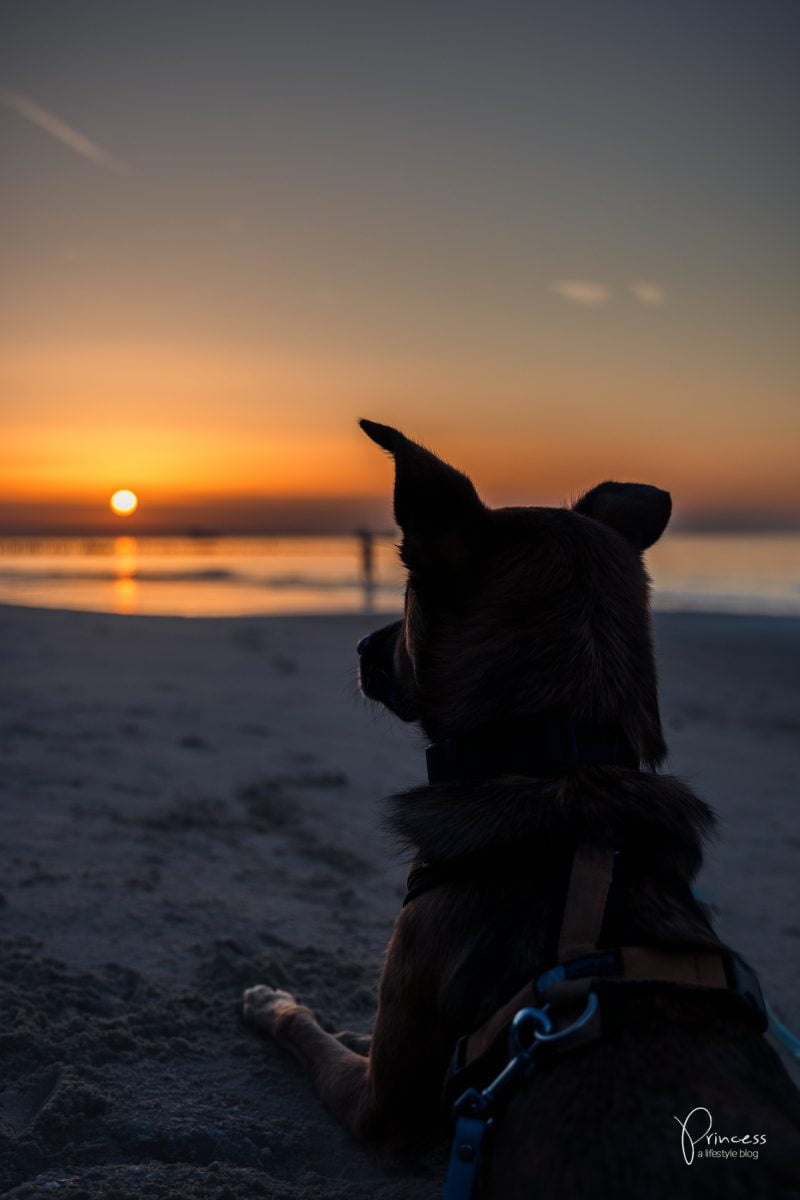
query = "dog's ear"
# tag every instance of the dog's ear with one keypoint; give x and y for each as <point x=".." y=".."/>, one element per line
<point x="436" y="506"/>
<point x="636" y="510"/>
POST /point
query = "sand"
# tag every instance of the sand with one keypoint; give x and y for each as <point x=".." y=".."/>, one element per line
<point x="192" y="806"/>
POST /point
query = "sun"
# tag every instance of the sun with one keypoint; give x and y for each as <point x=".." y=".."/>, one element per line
<point x="124" y="502"/>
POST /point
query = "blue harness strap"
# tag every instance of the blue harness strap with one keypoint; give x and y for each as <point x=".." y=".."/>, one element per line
<point x="791" y="1043"/>
<point x="474" y="1111"/>
<point x="465" y="1157"/>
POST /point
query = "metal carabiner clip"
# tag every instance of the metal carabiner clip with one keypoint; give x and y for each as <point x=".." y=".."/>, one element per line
<point x="525" y="1029"/>
<point x="576" y="1026"/>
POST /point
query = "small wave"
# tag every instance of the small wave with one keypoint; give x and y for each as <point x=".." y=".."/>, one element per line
<point x="105" y="576"/>
<point x="742" y="604"/>
<point x="321" y="584"/>
<point x="200" y="575"/>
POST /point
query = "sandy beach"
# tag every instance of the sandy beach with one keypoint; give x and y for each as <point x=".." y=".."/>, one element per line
<point x="192" y="806"/>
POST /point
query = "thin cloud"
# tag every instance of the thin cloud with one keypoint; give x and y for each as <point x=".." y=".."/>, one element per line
<point x="25" y="107"/>
<point x="581" y="291"/>
<point x="650" y="294"/>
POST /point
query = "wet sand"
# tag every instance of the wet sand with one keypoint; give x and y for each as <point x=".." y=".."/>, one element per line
<point x="192" y="806"/>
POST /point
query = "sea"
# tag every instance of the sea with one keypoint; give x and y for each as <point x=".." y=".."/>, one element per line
<point x="227" y="576"/>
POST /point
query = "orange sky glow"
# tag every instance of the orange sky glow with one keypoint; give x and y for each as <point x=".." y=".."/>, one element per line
<point x="533" y="254"/>
<point x="159" y="419"/>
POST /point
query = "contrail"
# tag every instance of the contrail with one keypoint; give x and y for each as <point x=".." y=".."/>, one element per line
<point x="26" y="108"/>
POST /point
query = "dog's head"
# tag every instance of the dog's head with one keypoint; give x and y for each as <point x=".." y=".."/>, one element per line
<point x="512" y="612"/>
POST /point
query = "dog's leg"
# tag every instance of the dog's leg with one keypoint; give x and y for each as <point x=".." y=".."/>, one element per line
<point x="337" y="1073"/>
<point x="279" y="1013"/>
<point x="390" y="1097"/>
<point x="359" y="1042"/>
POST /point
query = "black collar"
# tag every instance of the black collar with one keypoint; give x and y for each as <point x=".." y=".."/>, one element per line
<point x="548" y="744"/>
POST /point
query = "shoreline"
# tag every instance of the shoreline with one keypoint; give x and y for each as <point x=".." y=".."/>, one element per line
<point x="373" y="615"/>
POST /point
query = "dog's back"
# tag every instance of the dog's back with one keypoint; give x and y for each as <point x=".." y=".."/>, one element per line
<point x="604" y="1121"/>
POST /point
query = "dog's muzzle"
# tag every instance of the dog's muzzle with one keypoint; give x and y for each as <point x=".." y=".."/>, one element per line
<point x="378" y="672"/>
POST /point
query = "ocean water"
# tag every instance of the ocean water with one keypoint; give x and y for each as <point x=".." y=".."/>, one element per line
<point x="200" y="576"/>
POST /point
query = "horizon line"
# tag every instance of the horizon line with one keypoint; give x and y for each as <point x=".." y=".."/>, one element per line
<point x="704" y="525"/>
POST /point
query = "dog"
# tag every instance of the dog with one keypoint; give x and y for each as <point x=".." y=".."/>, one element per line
<point x="525" y="655"/>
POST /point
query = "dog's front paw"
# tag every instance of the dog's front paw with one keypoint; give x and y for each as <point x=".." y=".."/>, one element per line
<point x="264" y="1006"/>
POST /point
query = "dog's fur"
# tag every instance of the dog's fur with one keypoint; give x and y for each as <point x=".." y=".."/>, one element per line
<point x="510" y="613"/>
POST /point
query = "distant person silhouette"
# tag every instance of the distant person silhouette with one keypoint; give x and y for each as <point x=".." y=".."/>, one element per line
<point x="367" y="540"/>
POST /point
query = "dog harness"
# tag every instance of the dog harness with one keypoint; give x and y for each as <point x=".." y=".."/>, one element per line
<point x="561" y="1009"/>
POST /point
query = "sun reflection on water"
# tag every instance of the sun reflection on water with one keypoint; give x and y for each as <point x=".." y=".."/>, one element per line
<point x="126" y="587"/>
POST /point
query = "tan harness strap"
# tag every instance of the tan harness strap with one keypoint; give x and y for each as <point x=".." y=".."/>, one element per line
<point x="640" y="964"/>
<point x="590" y="879"/>
<point x="480" y="1041"/>
<point x="700" y="968"/>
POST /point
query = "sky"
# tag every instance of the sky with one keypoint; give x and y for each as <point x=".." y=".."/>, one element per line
<point x="556" y="242"/>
